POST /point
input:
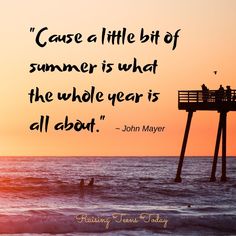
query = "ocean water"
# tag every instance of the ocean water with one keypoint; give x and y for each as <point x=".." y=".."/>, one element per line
<point x="131" y="196"/>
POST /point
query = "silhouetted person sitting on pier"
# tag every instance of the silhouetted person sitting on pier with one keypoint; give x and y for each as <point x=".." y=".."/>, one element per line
<point x="205" y="93"/>
<point x="228" y="93"/>
<point x="91" y="182"/>
<point x="81" y="184"/>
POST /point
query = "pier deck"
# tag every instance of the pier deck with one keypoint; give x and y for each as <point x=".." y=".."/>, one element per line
<point x="193" y="100"/>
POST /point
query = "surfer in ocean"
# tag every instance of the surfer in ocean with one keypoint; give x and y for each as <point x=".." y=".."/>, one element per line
<point x="81" y="184"/>
<point x="91" y="182"/>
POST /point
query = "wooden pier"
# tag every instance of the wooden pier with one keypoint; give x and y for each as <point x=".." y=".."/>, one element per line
<point x="210" y="100"/>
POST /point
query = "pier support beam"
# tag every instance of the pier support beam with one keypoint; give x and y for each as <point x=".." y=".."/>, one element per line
<point x="181" y="158"/>
<point x="221" y="132"/>
<point x="214" y="164"/>
<point x="223" y="176"/>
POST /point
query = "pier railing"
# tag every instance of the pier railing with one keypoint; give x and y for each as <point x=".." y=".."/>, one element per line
<point x="207" y="100"/>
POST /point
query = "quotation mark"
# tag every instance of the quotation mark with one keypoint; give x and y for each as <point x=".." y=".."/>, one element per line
<point x="102" y="117"/>
<point x="32" y="29"/>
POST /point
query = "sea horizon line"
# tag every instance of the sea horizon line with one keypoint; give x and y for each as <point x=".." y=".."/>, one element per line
<point x="110" y="156"/>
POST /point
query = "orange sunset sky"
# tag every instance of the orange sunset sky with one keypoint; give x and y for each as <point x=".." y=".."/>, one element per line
<point x="207" y="42"/>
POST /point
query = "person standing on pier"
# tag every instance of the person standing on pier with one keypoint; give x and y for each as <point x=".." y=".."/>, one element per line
<point x="205" y="93"/>
<point x="221" y="92"/>
<point x="228" y="93"/>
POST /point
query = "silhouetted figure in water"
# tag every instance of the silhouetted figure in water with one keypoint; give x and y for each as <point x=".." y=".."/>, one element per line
<point x="91" y="182"/>
<point x="81" y="184"/>
<point x="228" y="93"/>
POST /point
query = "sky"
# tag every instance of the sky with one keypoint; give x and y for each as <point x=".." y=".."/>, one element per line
<point x="206" y="43"/>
